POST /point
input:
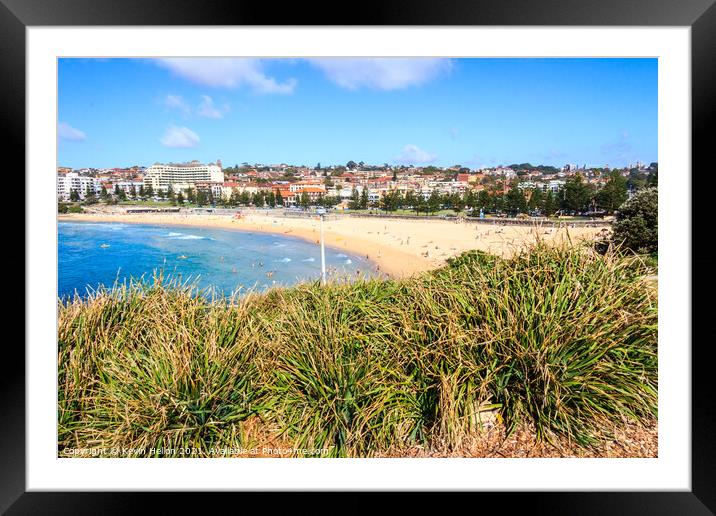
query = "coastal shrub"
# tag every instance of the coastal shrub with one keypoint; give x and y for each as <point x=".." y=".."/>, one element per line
<point x="572" y="336"/>
<point x="636" y="224"/>
<point x="333" y="374"/>
<point x="563" y="339"/>
<point x="154" y="366"/>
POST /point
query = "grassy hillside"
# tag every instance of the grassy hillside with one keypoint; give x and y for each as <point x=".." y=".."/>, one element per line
<point x="563" y="340"/>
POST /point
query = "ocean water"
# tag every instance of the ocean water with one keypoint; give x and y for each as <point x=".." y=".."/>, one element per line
<point x="93" y="254"/>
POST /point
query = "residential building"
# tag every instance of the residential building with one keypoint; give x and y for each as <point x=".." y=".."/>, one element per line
<point x="73" y="181"/>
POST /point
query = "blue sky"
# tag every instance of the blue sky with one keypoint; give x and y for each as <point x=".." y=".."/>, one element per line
<point x="472" y="112"/>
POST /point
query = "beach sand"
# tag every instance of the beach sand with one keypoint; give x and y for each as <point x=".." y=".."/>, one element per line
<point x="399" y="248"/>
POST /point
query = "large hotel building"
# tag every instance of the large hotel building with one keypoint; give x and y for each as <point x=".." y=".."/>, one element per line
<point x="181" y="176"/>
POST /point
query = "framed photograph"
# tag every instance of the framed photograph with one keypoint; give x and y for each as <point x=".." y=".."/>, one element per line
<point x="417" y="253"/>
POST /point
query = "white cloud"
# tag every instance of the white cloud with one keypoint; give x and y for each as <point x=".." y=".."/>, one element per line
<point x="413" y="154"/>
<point x="66" y="132"/>
<point x="381" y="73"/>
<point x="207" y="109"/>
<point x="180" y="137"/>
<point x="226" y="72"/>
<point x="177" y="102"/>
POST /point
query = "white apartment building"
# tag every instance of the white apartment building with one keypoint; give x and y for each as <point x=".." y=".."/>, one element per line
<point x="73" y="181"/>
<point x="181" y="176"/>
<point x="376" y="195"/>
<point x="554" y="186"/>
<point x="126" y="186"/>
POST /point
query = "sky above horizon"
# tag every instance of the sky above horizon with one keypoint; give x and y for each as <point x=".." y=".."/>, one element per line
<point x="476" y="112"/>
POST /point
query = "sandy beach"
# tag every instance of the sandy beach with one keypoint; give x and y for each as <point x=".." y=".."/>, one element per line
<point x="398" y="247"/>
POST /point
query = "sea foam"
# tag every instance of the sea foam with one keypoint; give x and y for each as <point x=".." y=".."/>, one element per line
<point x="190" y="237"/>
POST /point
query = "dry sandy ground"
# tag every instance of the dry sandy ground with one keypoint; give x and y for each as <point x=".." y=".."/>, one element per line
<point x="398" y="247"/>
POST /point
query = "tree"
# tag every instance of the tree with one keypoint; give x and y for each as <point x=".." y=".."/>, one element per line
<point x="234" y="198"/>
<point x="420" y="204"/>
<point x="305" y="200"/>
<point x="133" y="192"/>
<point x="329" y="201"/>
<point x="180" y="198"/>
<point x="496" y="202"/>
<point x="191" y="195"/>
<point x="536" y="199"/>
<point x="515" y="201"/>
<point x="351" y="165"/>
<point x="637" y="180"/>
<point x="456" y="202"/>
<point x="74" y="195"/>
<point x="434" y="202"/>
<point x="636" y="224"/>
<point x="577" y="194"/>
<point x="170" y="194"/>
<point x="364" y="199"/>
<point x="354" y="203"/>
<point x="483" y="200"/>
<point x="409" y="200"/>
<point x="549" y="206"/>
<point x="200" y="197"/>
<point x="103" y="194"/>
<point x="90" y="197"/>
<point x="391" y="201"/>
<point x="279" y="198"/>
<point x="469" y="199"/>
<point x="613" y="194"/>
<point x="271" y="199"/>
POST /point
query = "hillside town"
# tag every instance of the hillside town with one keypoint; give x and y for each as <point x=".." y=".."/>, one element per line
<point x="503" y="190"/>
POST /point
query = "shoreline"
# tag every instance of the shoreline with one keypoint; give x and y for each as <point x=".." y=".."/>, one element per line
<point x="398" y="248"/>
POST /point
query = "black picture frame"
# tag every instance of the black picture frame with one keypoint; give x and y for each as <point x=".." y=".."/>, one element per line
<point x="699" y="15"/>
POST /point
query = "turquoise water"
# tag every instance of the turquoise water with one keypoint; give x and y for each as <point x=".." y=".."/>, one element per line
<point x="92" y="254"/>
